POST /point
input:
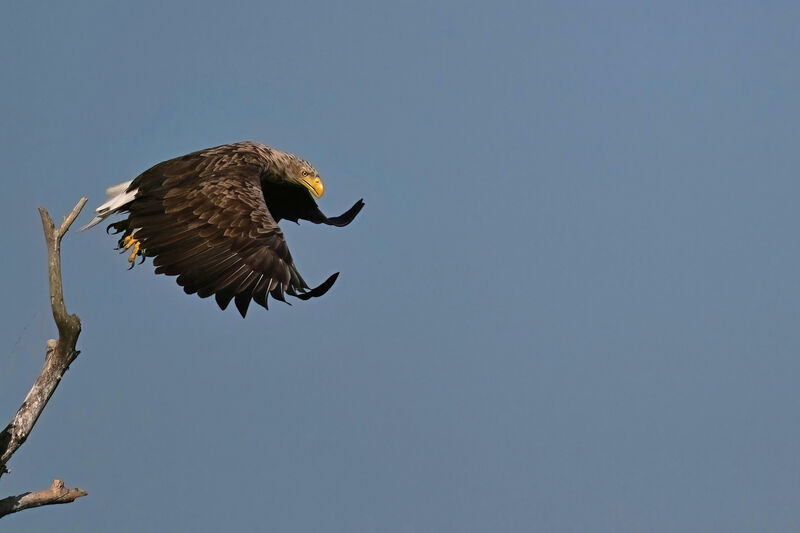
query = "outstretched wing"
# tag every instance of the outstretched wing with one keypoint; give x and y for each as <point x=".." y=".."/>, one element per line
<point x="203" y="218"/>
<point x="315" y="215"/>
<point x="295" y="203"/>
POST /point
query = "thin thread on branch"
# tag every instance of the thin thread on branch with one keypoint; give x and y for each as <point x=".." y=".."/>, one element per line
<point x="59" y="354"/>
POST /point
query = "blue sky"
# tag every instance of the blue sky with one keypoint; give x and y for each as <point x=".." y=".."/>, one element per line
<point x="570" y="303"/>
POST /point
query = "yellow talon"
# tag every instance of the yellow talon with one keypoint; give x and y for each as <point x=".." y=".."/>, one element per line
<point x="130" y="242"/>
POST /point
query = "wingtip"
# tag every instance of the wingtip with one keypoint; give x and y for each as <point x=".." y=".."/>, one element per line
<point x="347" y="217"/>
<point x="319" y="290"/>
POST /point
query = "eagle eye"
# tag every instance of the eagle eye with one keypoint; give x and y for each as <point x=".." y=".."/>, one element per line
<point x="305" y="173"/>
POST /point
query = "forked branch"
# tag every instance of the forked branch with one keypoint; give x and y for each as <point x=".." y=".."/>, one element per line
<point x="59" y="354"/>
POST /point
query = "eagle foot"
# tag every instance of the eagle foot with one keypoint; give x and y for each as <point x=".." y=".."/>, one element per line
<point x="134" y="244"/>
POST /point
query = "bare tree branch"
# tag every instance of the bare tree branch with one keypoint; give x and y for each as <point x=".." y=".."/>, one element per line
<point x="57" y="493"/>
<point x="59" y="355"/>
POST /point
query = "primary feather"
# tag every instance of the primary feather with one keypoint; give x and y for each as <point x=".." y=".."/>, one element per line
<point x="211" y="219"/>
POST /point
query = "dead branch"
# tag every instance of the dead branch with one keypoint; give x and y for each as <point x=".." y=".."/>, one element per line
<point x="59" y="354"/>
<point x="57" y="493"/>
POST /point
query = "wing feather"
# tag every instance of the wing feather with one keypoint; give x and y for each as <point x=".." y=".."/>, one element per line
<point x="203" y="218"/>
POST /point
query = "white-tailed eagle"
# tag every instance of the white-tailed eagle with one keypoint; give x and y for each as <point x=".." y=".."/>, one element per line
<point x="211" y="219"/>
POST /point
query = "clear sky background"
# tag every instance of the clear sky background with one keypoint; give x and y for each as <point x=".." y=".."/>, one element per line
<point x="570" y="303"/>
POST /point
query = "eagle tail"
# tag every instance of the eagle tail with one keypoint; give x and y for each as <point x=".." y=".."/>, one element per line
<point x="117" y="197"/>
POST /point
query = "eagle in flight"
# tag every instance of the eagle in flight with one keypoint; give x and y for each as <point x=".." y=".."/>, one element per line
<point x="211" y="218"/>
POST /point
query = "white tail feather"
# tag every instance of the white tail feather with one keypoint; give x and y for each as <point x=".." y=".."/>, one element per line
<point x="118" y="196"/>
<point x="114" y="190"/>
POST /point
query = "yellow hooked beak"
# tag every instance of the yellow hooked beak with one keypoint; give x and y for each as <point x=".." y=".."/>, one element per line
<point x="314" y="185"/>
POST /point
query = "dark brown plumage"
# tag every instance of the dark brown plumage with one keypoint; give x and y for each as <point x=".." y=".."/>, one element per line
<point x="211" y="219"/>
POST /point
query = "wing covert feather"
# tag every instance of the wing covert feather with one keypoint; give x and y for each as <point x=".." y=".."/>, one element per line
<point x="203" y="218"/>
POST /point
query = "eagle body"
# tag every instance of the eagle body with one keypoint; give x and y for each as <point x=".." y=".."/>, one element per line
<point x="211" y="219"/>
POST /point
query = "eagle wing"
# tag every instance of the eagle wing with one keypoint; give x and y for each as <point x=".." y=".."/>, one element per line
<point x="203" y="218"/>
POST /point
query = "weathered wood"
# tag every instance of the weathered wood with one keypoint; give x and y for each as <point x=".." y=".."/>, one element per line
<point x="57" y="493"/>
<point x="59" y="354"/>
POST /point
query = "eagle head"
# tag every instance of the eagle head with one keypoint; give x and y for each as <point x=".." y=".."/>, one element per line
<point x="304" y="173"/>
